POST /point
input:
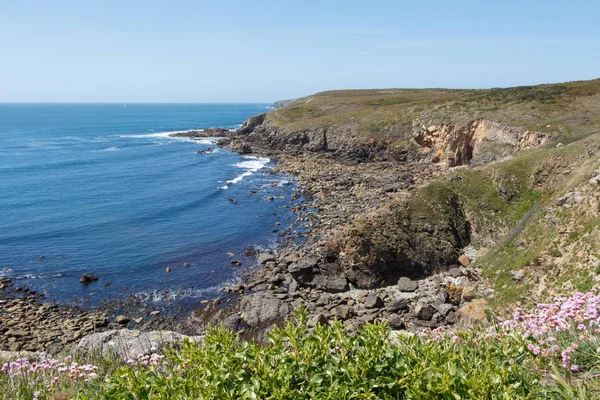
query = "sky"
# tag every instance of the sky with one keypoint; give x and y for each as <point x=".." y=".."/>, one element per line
<point x="262" y="51"/>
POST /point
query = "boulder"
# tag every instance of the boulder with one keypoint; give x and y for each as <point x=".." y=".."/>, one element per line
<point x="407" y="285"/>
<point x="445" y="308"/>
<point x="122" y="320"/>
<point x="332" y="284"/>
<point x="263" y="258"/>
<point x="473" y="313"/>
<point x="424" y="311"/>
<point x="261" y="308"/>
<point x="373" y="301"/>
<point x="127" y="344"/>
<point x="398" y="305"/>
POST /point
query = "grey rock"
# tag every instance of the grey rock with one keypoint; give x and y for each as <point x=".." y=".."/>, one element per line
<point x="407" y="285"/>
<point x="452" y="317"/>
<point x="373" y="301"/>
<point x="122" y="320"/>
<point x="127" y="344"/>
<point x="518" y="275"/>
<point x="318" y="319"/>
<point x="262" y="308"/>
<point x="330" y="284"/>
<point x="437" y="318"/>
<point x="324" y="299"/>
<point x="367" y="318"/>
<point x="344" y="312"/>
<point x="424" y="311"/>
<point x="396" y="322"/>
<point x="263" y="258"/>
<point x="445" y="308"/>
<point x="441" y="296"/>
<point x="293" y="288"/>
<point x="455" y="272"/>
<point x="398" y="305"/>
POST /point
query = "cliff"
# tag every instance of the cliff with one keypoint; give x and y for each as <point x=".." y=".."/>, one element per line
<point x="407" y="179"/>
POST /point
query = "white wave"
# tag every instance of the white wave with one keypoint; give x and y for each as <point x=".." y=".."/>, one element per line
<point x="34" y="276"/>
<point x="5" y="272"/>
<point x="207" y="140"/>
<point x="252" y="165"/>
<point x="107" y="149"/>
<point x="160" y="135"/>
<point x="225" y="187"/>
<point x="158" y="296"/>
<point x="163" y="135"/>
<point x="43" y="145"/>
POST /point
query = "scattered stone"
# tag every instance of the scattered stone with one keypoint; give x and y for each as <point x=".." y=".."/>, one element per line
<point x="122" y="320"/>
<point x="187" y="265"/>
<point x="236" y="263"/>
<point x="168" y="269"/>
<point x="233" y="201"/>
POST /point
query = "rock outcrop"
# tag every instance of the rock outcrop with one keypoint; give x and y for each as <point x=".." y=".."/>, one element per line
<point x="128" y="344"/>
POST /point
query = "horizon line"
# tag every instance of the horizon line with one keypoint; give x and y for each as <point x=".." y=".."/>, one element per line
<point x="128" y="103"/>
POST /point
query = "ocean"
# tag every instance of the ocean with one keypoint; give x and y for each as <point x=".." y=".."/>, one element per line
<point x="102" y="189"/>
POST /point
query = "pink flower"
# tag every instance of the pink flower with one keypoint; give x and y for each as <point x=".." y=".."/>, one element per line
<point x="574" y="368"/>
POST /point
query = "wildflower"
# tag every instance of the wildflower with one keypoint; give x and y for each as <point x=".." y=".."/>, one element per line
<point x="574" y="368"/>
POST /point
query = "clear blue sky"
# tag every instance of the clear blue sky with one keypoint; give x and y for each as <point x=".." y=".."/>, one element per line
<point x="261" y="51"/>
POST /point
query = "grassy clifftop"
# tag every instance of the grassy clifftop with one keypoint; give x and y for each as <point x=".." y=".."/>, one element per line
<point x="564" y="106"/>
<point x="387" y="119"/>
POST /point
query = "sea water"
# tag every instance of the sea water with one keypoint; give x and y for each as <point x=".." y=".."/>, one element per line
<point x="103" y="189"/>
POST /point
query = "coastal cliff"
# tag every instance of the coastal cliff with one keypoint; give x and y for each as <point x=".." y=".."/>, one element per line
<point x="409" y="185"/>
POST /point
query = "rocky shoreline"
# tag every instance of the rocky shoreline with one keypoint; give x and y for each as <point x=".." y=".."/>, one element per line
<point x="337" y="190"/>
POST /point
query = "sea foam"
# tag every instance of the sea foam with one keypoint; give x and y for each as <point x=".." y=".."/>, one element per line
<point x="251" y="165"/>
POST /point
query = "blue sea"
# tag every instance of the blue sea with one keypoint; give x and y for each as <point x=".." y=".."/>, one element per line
<point x="103" y="189"/>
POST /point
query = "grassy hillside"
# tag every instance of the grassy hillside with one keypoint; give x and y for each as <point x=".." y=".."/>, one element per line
<point x="386" y="119"/>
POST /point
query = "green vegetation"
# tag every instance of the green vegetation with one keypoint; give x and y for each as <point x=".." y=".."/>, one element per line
<point x="328" y="363"/>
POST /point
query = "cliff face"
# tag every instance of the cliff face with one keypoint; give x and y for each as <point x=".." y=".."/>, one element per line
<point x="479" y="141"/>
